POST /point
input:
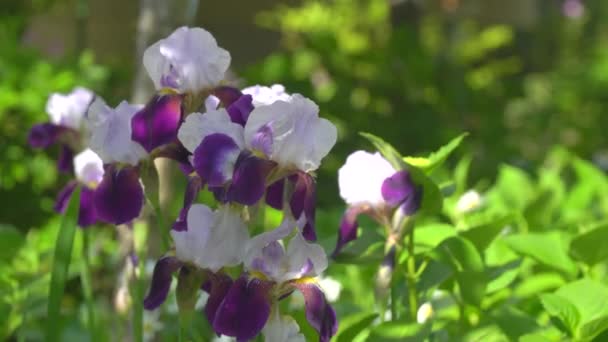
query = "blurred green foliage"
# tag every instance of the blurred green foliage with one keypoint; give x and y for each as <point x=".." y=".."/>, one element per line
<point x="418" y="73"/>
<point x="28" y="178"/>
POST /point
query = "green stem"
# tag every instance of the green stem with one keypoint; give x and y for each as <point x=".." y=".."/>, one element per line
<point x="393" y="302"/>
<point x="85" y="278"/>
<point x="138" y="296"/>
<point x="412" y="277"/>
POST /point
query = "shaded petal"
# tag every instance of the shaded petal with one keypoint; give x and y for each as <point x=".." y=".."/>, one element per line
<point x="227" y="95"/>
<point x="245" y="309"/>
<point x="217" y="287"/>
<point x="240" y="109"/>
<point x="249" y="179"/>
<point x="197" y="126"/>
<point x="348" y="227"/>
<point x="262" y="140"/>
<point x="157" y="123"/>
<point x="119" y="197"/>
<point x="398" y="189"/>
<point x="65" y="162"/>
<point x="195" y="183"/>
<point x="44" y="135"/>
<point x="274" y="194"/>
<point x="319" y="312"/>
<point x="69" y="109"/>
<point x="87" y="215"/>
<point x="88" y="167"/>
<point x="215" y="158"/>
<point x="161" y="281"/>
<point x="303" y="200"/>
<point x="263" y="95"/>
<point x="305" y="259"/>
<point x="282" y="329"/>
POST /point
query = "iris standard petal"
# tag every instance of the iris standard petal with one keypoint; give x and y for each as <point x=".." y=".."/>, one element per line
<point x="119" y="197"/>
<point x="245" y="309"/>
<point x="161" y="281"/>
<point x="157" y="123"/>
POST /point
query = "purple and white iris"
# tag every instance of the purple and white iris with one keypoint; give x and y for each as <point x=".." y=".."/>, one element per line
<point x="188" y="61"/>
<point x="66" y="113"/>
<point x="370" y="185"/>
<point x="274" y="272"/>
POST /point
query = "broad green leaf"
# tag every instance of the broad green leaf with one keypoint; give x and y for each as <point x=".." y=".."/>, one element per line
<point x="513" y="189"/>
<point x="61" y="263"/>
<point x="502" y="276"/>
<point x="515" y="323"/>
<point x="436" y="158"/>
<point x="482" y="235"/>
<point x="591" y="247"/>
<point x="401" y="331"/>
<point x="538" y="283"/>
<point x="10" y="241"/>
<point x="590" y="300"/>
<point x="434" y="274"/>
<point x="563" y="309"/>
<point x="353" y="325"/>
<point x="467" y="264"/>
<point x="387" y="150"/>
<point x="430" y="235"/>
<point x="546" y="248"/>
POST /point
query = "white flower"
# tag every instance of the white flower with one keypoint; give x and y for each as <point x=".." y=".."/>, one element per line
<point x="189" y="61"/>
<point x="331" y="288"/>
<point x="266" y="254"/>
<point x="213" y="239"/>
<point x="110" y="131"/>
<point x="263" y="95"/>
<point x="88" y="167"/>
<point x="197" y="126"/>
<point x="360" y="178"/>
<point x="151" y="324"/>
<point x="282" y="329"/>
<point x="469" y="201"/>
<point x="292" y="133"/>
<point x="68" y="110"/>
<point x="425" y="311"/>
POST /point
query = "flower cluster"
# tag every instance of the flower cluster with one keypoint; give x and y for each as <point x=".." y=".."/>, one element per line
<point x="249" y="147"/>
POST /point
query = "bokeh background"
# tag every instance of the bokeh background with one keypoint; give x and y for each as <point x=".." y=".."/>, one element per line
<point x="521" y="76"/>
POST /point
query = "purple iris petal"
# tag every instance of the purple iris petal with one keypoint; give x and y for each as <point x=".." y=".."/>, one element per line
<point x="263" y="139"/>
<point x="274" y="194"/>
<point x="303" y="200"/>
<point x="240" y="109"/>
<point x="119" y="197"/>
<point x="87" y="215"/>
<point x="397" y="188"/>
<point x="65" y="162"/>
<point x="227" y="95"/>
<point x="213" y="158"/>
<point x="161" y="281"/>
<point x="319" y="313"/>
<point x="195" y="184"/>
<point x="348" y="227"/>
<point x="217" y="286"/>
<point x="44" y="135"/>
<point x="157" y="123"/>
<point x="61" y="201"/>
<point x="245" y="309"/>
<point x="249" y="179"/>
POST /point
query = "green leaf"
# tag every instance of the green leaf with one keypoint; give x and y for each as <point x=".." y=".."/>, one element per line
<point x="438" y="157"/>
<point x="400" y="331"/>
<point x="591" y="247"/>
<point x="482" y="235"/>
<point x="432" y="198"/>
<point x="10" y="241"/>
<point x="386" y="149"/>
<point x="563" y="309"/>
<point x="467" y="263"/>
<point x="538" y="283"/>
<point x="431" y="235"/>
<point x="353" y="325"/>
<point x="588" y="299"/>
<point x="546" y="248"/>
<point x="61" y="263"/>
<point x="374" y="253"/>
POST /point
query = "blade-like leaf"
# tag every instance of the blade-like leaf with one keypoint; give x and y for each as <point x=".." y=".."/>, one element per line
<point x="438" y="157"/>
<point x="61" y="263"/>
<point x="387" y="150"/>
<point x="591" y="247"/>
<point x="353" y="325"/>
